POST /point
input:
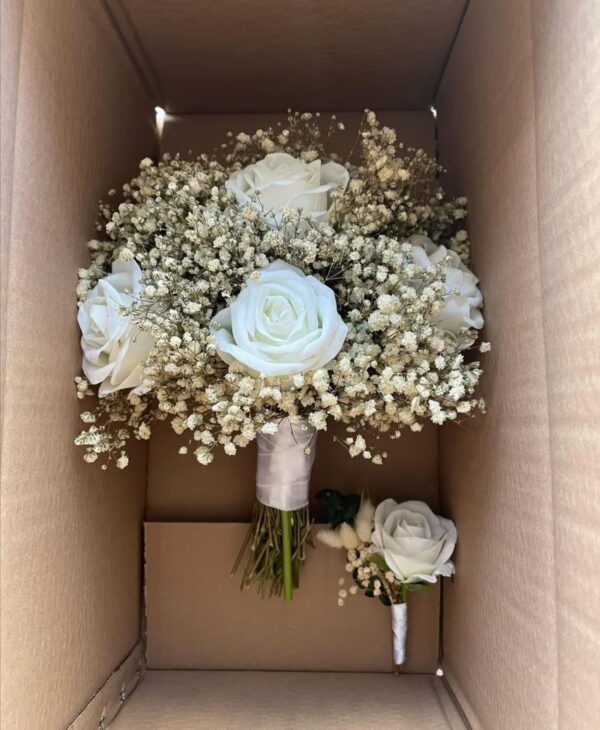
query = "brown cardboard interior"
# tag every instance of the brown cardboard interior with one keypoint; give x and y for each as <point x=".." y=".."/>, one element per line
<point x="521" y="623"/>
<point x="75" y="121"/>
<point x="518" y="128"/>
<point x="272" y="55"/>
<point x="291" y="700"/>
<point x="179" y="491"/>
<point x="189" y="588"/>
<point x="497" y="480"/>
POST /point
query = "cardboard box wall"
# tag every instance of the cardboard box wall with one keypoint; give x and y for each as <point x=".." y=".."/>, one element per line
<point x="518" y="128"/>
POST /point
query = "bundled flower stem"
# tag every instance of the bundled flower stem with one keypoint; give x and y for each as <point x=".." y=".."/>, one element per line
<point x="280" y="525"/>
<point x="286" y="539"/>
<point x="275" y="547"/>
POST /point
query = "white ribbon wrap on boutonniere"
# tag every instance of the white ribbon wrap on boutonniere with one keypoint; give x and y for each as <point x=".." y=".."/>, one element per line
<point x="399" y="627"/>
<point x="284" y="464"/>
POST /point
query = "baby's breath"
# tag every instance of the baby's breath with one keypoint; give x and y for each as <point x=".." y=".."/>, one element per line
<point x="197" y="248"/>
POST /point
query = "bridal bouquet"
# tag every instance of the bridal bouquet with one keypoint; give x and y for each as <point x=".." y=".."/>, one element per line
<point x="391" y="551"/>
<point x="257" y="294"/>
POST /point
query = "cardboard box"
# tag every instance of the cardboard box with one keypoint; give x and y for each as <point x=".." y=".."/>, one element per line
<point x="517" y="632"/>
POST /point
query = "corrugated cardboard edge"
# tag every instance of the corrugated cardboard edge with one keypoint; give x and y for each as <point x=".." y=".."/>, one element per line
<point x="460" y="701"/>
<point x="104" y="706"/>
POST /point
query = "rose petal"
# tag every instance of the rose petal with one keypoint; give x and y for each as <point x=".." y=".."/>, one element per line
<point x="112" y="356"/>
<point x="281" y="181"/>
<point x="404" y="567"/>
<point x="416" y="543"/>
<point x="462" y="309"/>
<point x="422" y="508"/>
<point x="281" y="324"/>
<point x="334" y="174"/>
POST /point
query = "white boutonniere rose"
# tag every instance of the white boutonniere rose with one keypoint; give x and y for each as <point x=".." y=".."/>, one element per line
<point x="282" y="323"/>
<point x="415" y="543"/>
<point x="281" y="181"/>
<point x="114" y="349"/>
<point x="463" y="297"/>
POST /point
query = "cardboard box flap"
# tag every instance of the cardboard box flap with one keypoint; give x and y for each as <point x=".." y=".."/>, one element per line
<point x="267" y="55"/>
<point x="521" y="620"/>
<point x="75" y="123"/>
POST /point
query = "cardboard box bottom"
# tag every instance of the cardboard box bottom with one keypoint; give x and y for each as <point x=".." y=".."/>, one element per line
<point x="172" y="700"/>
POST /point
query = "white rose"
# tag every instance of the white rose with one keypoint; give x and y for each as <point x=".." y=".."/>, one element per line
<point x="415" y="543"/>
<point x="281" y="181"/>
<point x="114" y="349"/>
<point x="462" y="309"/>
<point x="281" y="323"/>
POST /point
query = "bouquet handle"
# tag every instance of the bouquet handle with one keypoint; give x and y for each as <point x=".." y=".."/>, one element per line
<point x="280" y="524"/>
<point x="284" y="464"/>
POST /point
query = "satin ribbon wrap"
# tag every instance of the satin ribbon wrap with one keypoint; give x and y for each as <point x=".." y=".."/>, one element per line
<point x="399" y="626"/>
<point x="283" y="467"/>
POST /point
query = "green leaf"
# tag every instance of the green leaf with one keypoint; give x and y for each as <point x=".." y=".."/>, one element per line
<point x="339" y="507"/>
<point x="385" y="599"/>
<point x="379" y="561"/>
<point x="410" y="587"/>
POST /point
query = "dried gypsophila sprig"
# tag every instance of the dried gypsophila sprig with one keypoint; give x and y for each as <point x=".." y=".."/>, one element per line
<point x="374" y="578"/>
<point x="196" y="248"/>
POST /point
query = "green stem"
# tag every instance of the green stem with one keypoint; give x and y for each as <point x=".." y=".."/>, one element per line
<point x="286" y="535"/>
<point x="264" y="551"/>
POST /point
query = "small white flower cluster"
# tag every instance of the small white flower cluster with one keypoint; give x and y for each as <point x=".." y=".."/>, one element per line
<point x="367" y="574"/>
<point x="196" y="248"/>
